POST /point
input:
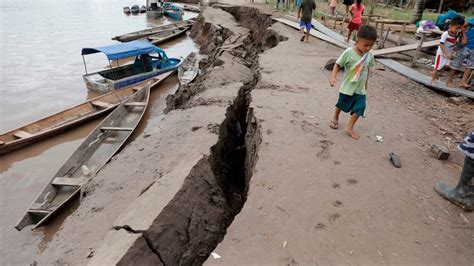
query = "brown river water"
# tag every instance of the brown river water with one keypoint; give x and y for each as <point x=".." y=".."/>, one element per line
<point x="41" y="73"/>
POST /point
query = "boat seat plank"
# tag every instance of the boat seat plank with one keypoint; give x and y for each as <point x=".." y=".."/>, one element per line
<point x="135" y="104"/>
<point x="102" y="105"/>
<point x="67" y="181"/>
<point x="116" y="128"/>
<point x="20" y="134"/>
<point x="41" y="212"/>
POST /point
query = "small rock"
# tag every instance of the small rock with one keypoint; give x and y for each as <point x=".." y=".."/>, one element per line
<point x="330" y="64"/>
<point x="146" y="135"/>
<point x="215" y="255"/>
<point x="285" y="244"/>
<point x="458" y="100"/>
<point x="379" y="138"/>
<point x="440" y="152"/>
<point x="141" y="149"/>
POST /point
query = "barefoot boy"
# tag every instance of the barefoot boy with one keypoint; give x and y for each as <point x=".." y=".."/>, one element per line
<point x="447" y="45"/>
<point x="356" y="62"/>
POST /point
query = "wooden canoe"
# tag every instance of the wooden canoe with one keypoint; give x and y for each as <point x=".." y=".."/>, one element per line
<point x="94" y="152"/>
<point x="167" y="35"/>
<point x="189" y="70"/>
<point x="69" y="118"/>
<point x="143" y="33"/>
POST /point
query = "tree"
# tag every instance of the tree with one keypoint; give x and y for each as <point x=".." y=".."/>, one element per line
<point x="418" y="11"/>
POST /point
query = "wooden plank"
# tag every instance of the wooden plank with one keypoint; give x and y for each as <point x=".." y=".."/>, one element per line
<point x="101" y="104"/>
<point x="313" y="33"/>
<point x="116" y="128"/>
<point x="404" y="48"/>
<point x="423" y="79"/>
<point x="67" y="181"/>
<point x="135" y="104"/>
<point x="41" y="212"/>
<point x="325" y="30"/>
<point x="20" y="134"/>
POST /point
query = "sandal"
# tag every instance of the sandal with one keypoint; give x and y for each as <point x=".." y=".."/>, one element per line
<point x="395" y="160"/>
<point x="302" y="39"/>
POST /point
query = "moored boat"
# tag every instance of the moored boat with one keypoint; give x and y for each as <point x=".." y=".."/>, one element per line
<point x="167" y="35"/>
<point x="72" y="117"/>
<point x="142" y="9"/>
<point x="135" y="9"/>
<point x="154" y="13"/>
<point x="94" y="152"/>
<point x="191" y="8"/>
<point x="189" y="70"/>
<point x="143" y="33"/>
<point x="150" y="61"/>
<point x="126" y="10"/>
<point x="173" y="11"/>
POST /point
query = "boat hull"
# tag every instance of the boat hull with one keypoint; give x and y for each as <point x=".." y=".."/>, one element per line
<point x="104" y="85"/>
<point x="176" y="15"/>
<point x="131" y="36"/>
<point x="96" y="150"/>
<point x="70" y="118"/>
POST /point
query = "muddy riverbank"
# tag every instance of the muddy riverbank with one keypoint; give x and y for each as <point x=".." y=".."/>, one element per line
<point x="248" y="145"/>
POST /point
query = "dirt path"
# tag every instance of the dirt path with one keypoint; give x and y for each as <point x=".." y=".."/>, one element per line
<point x="315" y="196"/>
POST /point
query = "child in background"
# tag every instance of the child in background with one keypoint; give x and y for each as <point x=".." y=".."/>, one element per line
<point x="447" y="46"/>
<point x="357" y="9"/>
<point x="332" y="7"/>
<point x="465" y="53"/>
<point x="305" y="12"/>
<point x="356" y="62"/>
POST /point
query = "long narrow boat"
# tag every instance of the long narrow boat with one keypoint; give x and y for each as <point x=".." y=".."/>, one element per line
<point x="94" y="152"/>
<point x="69" y="118"/>
<point x="166" y="35"/>
<point x="143" y="33"/>
<point x="189" y="70"/>
<point x="174" y="13"/>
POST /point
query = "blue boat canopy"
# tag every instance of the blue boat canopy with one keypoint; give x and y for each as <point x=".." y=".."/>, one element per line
<point x="123" y="50"/>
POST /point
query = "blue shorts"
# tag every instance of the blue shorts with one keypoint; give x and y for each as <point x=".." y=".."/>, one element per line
<point x="306" y="25"/>
<point x="464" y="55"/>
<point x="354" y="104"/>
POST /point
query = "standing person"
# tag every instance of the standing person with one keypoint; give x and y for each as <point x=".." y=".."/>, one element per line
<point x="356" y="62"/>
<point x="332" y="7"/>
<point x="357" y="9"/>
<point x="447" y="46"/>
<point x="463" y="193"/>
<point x="347" y="3"/>
<point x="465" y="53"/>
<point x="305" y="12"/>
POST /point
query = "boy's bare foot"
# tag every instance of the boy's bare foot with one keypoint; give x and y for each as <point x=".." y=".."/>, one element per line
<point x="352" y="133"/>
<point x="334" y="124"/>
<point x="464" y="85"/>
<point x="434" y="82"/>
<point x="302" y="38"/>
<point x="449" y="84"/>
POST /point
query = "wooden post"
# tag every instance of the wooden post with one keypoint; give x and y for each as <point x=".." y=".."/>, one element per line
<point x="440" y="6"/>
<point x="342" y="24"/>
<point x="386" y="36"/>
<point x="418" y="50"/>
<point x="381" y="34"/>
<point x="400" y="39"/>
<point x="335" y="22"/>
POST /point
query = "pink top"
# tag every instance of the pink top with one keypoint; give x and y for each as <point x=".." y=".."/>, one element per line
<point x="333" y="3"/>
<point x="357" y="13"/>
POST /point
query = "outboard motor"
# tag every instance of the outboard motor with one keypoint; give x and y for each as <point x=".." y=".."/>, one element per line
<point x="154" y="4"/>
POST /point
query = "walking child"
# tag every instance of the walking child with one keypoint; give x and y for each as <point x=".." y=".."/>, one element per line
<point x="357" y="9"/>
<point x="356" y="62"/>
<point x="447" y="46"/>
<point x="332" y="7"/>
<point x="305" y="12"/>
<point x="464" y="54"/>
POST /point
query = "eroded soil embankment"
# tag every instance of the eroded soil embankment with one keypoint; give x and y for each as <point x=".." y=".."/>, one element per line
<point x="214" y="192"/>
